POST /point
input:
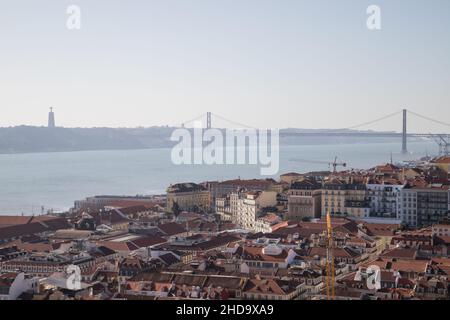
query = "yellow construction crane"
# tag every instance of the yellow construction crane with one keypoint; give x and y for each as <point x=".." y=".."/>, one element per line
<point x="330" y="260"/>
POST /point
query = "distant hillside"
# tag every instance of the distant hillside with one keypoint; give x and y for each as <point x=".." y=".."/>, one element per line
<point x="41" y="139"/>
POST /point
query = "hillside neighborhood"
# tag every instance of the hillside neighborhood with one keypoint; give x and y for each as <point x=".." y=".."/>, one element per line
<point x="258" y="239"/>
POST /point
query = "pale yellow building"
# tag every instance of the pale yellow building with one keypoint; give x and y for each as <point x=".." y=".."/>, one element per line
<point x="343" y="199"/>
<point x="304" y="200"/>
<point x="188" y="197"/>
<point x="291" y="177"/>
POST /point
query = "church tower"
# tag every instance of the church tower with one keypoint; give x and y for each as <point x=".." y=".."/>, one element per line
<point x="51" y="118"/>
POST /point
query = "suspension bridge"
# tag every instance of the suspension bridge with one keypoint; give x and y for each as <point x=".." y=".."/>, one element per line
<point x="443" y="139"/>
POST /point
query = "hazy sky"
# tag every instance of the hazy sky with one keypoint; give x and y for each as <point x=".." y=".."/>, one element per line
<point x="277" y="63"/>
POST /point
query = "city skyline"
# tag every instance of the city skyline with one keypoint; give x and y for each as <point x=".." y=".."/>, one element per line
<point x="224" y="158"/>
<point x="154" y="64"/>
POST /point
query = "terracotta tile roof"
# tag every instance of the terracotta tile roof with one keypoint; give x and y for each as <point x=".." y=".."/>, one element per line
<point x="378" y="262"/>
<point x="148" y="241"/>
<point x="224" y="282"/>
<point x="33" y="226"/>
<point x="388" y="276"/>
<point x="7" y="279"/>
<point x="443" y="160"/>
<point x="132" y="263"/>
<point x="171" y="228"/>
<point x="256" y="254"/>
<point x="417" y="266"/>
<point x="306" y="229"/>
<point x="168" y="259"/>
<point x="441" y="261"/>
<point x="279" y="225"/>
<point x="387" y="168"/>
<point x="442" y="240"/>
<point x="219" y="241"/>
<point x="36" y="247"/>
<point x="344" y="293"/>
<point x="337" y="252"/>
<point x="400" y="253"/>
<point x="153" y="276"/>
<point x="383" y="230"/>
<point x="131" y="203"/>
<point x="214" y="243"/>
<point x="72" y="234"/>
<point x="293" y="174"/>
<point x="109" y="217"/>
<point x="131" y="245"/>
<point x="15" y="220"/>
<point x="306" y="185"/>
<point x="269" y="286"/>
<point x="133" y="209"/>
<point x="358" y="241"/>
<point x="189" y="215"/>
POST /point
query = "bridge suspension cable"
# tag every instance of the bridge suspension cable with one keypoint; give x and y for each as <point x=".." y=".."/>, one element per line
<point x="241" y="125"/>
<point x="195" y="119"/>
<point x="429" y="119"/>
<point x="233" y="122"/>
<point x="373" y="121"/>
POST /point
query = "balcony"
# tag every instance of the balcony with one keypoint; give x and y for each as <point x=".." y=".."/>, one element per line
<point x="357" y="204"/>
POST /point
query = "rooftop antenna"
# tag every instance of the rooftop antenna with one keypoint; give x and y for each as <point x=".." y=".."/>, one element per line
<point x="392" y="162"/>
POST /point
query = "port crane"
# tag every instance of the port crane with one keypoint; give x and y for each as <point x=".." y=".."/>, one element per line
<point x="333" y="164"/>
<point x="443" y="142"/>
<point x="330" y="273"/>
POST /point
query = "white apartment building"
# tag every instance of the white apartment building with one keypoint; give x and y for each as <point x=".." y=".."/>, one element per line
<point x="424" y="206"/>
<point x="245" y="207"/>
<point x="383" y="199"/>
<point x="261" y="225"/>
<point x="223" y="208"/>
<point x="407" y="207"/>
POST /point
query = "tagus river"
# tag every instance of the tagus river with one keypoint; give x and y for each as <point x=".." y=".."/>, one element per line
<point x="55" y="180"/>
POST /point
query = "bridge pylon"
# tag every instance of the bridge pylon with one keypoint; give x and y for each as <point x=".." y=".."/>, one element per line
<point x="208" y="120"/>
<point x="404" y="132"/>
